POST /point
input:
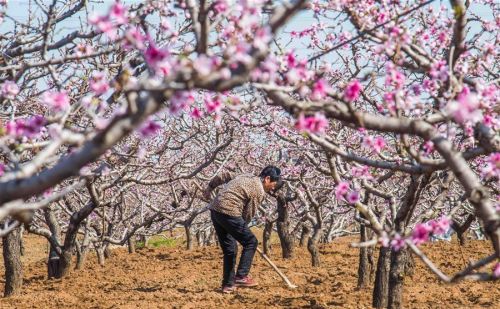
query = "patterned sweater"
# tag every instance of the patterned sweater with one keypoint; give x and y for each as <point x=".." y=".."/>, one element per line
<point x="239" y="197"/>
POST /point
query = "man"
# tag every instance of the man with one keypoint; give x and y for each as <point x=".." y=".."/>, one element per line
<point x="231" y="210"/>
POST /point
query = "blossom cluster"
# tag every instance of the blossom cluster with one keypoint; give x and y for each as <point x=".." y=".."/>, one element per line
<point x="343" y="192"/>
<point x="421" y="233"/>
<point x="316" y="123"/>
<point x="25" y="127"/>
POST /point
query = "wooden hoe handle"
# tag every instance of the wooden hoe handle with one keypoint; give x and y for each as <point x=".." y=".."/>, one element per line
<point x="285" y="279"/>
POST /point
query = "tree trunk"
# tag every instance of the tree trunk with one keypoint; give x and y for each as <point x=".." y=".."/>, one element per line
<point x="266" y="237"/>
<point x="12" y="261"/>
<point x="100" y="256"/>
<point x="211" y="238"/>
<point x="199" y="238"/>
<point x="312" y="247"/>
<point x="144" y="240"/>
<point x="80" y="258"/>
<point x="381" y="288"/>
<point x="461" y="229"/>
<point x="131" y="244"/>
<point x="304" y="235"/>
<point x="399" y="260"/>
<point x="282" y="226"/>
<point x="107" y="251"/>
<point x="21" y="241"/>
<point x="189" y="237"/>
<point x="70" y="239"/>
<point x="54" y="260"/>
<point x="365" y="261"/>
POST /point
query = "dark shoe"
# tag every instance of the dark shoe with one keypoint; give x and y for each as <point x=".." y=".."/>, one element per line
<point x="246" y="281"/>
<point x="228" y="289"/>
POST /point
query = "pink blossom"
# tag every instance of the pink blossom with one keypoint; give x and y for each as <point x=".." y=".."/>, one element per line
<point x="196" y="113"/>
<point x="2" y="169"/>
<point x="440" y="226"/>
<point x="375" y="144"/>
<point x="262" y="38"/>
<point x="382" y="16"/>
<point x="341" y="190"/>
<point x="154" y="56"/>
<point x="221" y="6"/>
<point x="203" y="65"/>
<point x="83" y="50"/>
<point x="164" y="68"/>
<point x="135" y="38"/>
<point x="352" y="91"/>
<point x="490" y="121"/>
<point x="213" y="104"/>
<point x="492" y="167"/>
<point x="320" y="89"/>
<point x="389" y="97"/>
<point x="465" y="108"/>
<point x="361" y="172"/>
<point x="378" y="144"/>
<point x="439" y="70"/>
<point x="384" y="240"/>
<point x="104" y="24"/>
<point x="149" y="129"/>
<point x="398" y="242"/>
<point x="180" y="101"/>
<point x="312" y="124"/>
<point x="9" y="90"/>
<point x="420" y="233"/>
<point x="353" y="197"/>
<point x="98" y="83"/>
<point x="417" y="89"/>
<point x="57" y="100"/>
<point x="496" y="270"/>
<point x="25" y="127"/>
<point x="119" y="13"/>
<point x="291" y="61"/>
<point x="428" y="147"/>
<point x="394" y="77"/>
<point x="48" y="192"/>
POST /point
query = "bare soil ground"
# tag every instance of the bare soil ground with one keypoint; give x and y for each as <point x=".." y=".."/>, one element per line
<point x="171" y="277"/>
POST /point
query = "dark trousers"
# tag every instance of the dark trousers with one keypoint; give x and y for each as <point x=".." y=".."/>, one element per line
<point x="229" y="230"/>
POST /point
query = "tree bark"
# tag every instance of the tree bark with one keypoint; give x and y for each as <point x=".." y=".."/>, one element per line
<point x="266" y="237"/>
<point x="21" y="241"/>
<point x="189" y="237"/>
<point x="312" y="247"/>
<point x="12" y="261"/>
<point x="131" y="244"/>
<point x="304" y="235"/>
<point x="399" y="262"/>
<point x="283" y="229"/>
<point x="461" y="229"/>
<point x="381" y="288"/>
<point x="80" y="258"/>
<point x="107" y="251"/>
<point x="70" y="239"/>
<point x="100" y="256"/>
<point x="53" y="261"/>
<point x="365" y="261"/>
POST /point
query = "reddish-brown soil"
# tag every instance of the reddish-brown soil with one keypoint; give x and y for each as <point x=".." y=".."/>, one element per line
<point x="176" y="278"/>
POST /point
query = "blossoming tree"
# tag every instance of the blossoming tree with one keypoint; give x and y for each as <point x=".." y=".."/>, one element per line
<point x="400" y="99"/>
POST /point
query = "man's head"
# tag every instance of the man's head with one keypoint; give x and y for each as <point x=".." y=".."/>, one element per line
<point x="271" y="178"/>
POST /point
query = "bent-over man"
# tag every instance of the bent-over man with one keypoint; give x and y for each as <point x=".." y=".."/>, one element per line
<point x="231" y="210"/>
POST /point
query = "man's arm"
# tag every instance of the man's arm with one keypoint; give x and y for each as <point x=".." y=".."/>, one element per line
<point x="255" y="202"/>
<point x="218" y="180"/>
